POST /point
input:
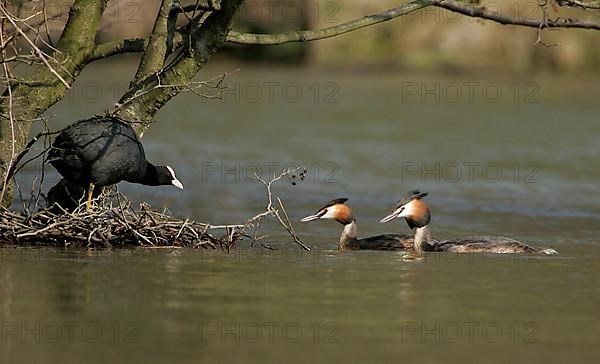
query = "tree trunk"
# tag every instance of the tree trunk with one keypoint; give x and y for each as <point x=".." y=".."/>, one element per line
<point x="41" y="89"/>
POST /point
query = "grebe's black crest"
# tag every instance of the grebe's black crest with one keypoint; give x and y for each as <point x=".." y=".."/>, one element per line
<point x="334" y="209"/>
<point x="409" y="196"/>
<point x="334" y="202"/>
<point x="323" y="210"/>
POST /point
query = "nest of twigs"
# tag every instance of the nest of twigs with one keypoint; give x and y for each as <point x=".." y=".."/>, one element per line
<point x="111" y="222"/>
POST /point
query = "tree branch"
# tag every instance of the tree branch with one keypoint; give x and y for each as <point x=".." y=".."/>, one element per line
<point x="309" y="35"/>
<point x="139" y="45"/>
<point x="108" y="49"/>
<point x="122" y="46"/>
<point x="156" y="50"/>
<point x="579" y="4"/>
<point x="471" y="11"/>
<point x="482" y="13"/>
<point x="205" y="40"/>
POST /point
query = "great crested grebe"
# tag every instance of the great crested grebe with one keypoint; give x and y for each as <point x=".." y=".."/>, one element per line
<point x="339" y="211"/>
<point x="417" y="215"/>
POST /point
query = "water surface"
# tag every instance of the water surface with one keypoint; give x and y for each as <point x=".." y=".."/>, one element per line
<point x="533" y="153"/>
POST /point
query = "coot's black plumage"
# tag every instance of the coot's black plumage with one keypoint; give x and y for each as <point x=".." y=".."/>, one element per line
<point x="105" y="150"/>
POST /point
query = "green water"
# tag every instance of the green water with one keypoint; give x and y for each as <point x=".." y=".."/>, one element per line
<point x="533" y="155"/>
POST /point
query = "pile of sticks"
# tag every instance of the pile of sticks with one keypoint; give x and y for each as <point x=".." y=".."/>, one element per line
<point x="111" y="222"/>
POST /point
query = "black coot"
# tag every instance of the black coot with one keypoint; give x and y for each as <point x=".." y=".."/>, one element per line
<point x="105" y="150"/>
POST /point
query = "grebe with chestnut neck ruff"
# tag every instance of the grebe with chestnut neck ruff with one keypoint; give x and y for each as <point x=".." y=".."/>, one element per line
<point x="338" y="210"/>
<point x="416" y="213"/>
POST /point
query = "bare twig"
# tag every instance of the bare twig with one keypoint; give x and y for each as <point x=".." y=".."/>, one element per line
<point x="46" y="23"/>
<point x="544" y="24"/>
<point x="271" y="210"/>
<point x="193" y="86"/>
<point x="35" y="48"/>
<point x="287" y="224"/>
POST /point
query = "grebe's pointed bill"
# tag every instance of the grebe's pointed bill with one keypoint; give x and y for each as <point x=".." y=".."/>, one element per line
<point x="310" y="218"/>
<point x="391" y="216"/>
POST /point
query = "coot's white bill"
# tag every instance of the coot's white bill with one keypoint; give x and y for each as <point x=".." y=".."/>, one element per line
<point x="177" y="183"/>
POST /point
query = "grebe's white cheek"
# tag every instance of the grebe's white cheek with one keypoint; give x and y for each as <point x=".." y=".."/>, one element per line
<point x="330" y="214"/>
<point x="407" y="210"/>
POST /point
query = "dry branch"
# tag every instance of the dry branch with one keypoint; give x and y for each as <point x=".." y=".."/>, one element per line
<point x="195" y="87"/>
<point x="273" y="211"/>
<point x="40" y="54"/>
<point x="482" y="13"/>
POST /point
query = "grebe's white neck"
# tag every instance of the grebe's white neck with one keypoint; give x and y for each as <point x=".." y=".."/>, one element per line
<point x="422" y="236"/>
<point x="349" y="234"/>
